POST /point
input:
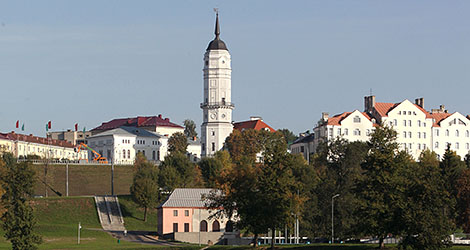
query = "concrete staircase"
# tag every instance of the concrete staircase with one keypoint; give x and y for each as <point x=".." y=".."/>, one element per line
<point x="109" y="213"/>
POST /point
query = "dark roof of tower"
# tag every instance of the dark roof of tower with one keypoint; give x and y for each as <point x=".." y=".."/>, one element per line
<point x="217" y="43"/>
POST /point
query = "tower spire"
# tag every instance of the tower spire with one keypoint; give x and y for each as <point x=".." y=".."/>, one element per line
<point x="217" y="28"/>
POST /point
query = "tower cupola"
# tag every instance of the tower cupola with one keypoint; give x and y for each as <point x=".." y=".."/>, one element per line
<point x="217" y="44"/>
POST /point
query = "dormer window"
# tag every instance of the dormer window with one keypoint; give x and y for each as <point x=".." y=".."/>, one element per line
<point x="357" y="119"/>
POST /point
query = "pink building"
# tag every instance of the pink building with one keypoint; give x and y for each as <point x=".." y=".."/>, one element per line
<point x="185" y="217"/>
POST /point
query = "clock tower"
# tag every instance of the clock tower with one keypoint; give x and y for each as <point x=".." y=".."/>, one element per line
<point x="217" y="104"/>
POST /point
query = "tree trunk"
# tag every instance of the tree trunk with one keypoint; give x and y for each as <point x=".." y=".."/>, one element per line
<point x="145" y="214"/>
<point x="255" y="240"/>
<point x="381" y="242"/>
<point x="273" y="237"/>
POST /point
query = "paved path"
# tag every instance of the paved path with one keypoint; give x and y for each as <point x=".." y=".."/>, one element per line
<point x="109" y="213"/>
<point x="143" y="237"/>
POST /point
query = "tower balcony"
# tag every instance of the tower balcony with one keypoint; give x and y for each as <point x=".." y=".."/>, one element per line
<point x="215" y="105"/>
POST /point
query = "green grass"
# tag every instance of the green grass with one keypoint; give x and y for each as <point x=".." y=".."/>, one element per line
<point x="58" y="220"/>
<point x="319" y="247"/>
<point x="134" y="216"/>
<point x="84" y="179"/>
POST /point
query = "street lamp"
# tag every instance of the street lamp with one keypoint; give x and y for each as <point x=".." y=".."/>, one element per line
<point x="332" y="216"/>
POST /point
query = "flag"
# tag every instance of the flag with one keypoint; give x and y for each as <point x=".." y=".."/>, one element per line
<point x="47" y="127"/>
<point x="17" y="123"/>
<point x="84" y="129"/>
<point x="76" y="126"/>
<point x="49" y="124"/>
<point x="22" y="127"/>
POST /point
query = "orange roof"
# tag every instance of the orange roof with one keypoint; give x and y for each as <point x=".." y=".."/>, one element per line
<point x="438" y="117"/>
<point x="255" y="124"/>
<point x="384" y="107"/>
<point x="336" y="120"/>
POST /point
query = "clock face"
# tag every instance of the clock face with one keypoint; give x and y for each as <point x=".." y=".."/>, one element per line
<point x="213" y="115"/>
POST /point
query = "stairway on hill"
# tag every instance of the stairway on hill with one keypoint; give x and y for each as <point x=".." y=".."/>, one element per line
<point x="109" y="213"/>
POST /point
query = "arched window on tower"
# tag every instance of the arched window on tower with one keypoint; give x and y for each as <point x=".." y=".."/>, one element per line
<point x="203" y="226"/>
<point x="216" y="226"/>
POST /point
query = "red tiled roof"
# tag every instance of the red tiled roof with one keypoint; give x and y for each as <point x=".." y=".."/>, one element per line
<point x="140" y="121"/>
<point x="39" y="140"/>
<point x="438" y="117"/>
<point x="3" y="136"/>
<point x="336" y="120"/>
<point x="255" y="124"/>
<point x="384" y="107"/>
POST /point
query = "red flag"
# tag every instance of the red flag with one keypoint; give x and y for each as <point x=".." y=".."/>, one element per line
<point x="18" y="124"/>
<point x="49" y="124"/>
<point x="76" y="126"/>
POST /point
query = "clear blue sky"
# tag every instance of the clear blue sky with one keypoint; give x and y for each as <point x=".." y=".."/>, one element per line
<point x="92" y="61"/>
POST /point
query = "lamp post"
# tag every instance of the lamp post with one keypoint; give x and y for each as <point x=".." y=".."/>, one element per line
<point x="332" y="216"/>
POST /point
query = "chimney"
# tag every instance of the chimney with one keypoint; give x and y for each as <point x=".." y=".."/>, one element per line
<point x="324" y="116"/>
<point x="420" y="102"/>
<point x="160" y="116"/>
<point x="255" y="118"/>
<point x="369" y="103"/>
<point x="194" y="138"/>
<point x="442" y="109"/>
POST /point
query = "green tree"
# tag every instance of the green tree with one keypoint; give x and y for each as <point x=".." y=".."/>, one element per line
<point x="178" y="143"/>
<point x="463" y="200"/>
<point x="144" y="189"/>
<point x="263" y="193"/>
<point x="190" y="128"/>
<point x="379" y="188"/>
<point x="18" y="221"/>
<point x="288" y="135"/>
<point x="211" y="167"/>
<point x="178" y="171"/>
<point x="422" y="221"/>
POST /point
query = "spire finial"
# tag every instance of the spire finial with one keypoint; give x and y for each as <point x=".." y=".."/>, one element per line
<point x="217" y="28"/>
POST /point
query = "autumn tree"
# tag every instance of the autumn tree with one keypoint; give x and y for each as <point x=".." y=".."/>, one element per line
<point x="177" y="143"/>
<point x="190" y="128"/>
<point x="144" y="189"/>
<point x="18" y="221"/>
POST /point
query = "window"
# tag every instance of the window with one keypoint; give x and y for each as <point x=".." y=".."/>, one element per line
<point x="203" y="226"/>
<point x="229" y="226"/>
<point x="424" y="124"/>
<point x="357" y="119"/>
<point x="409" y="123"/>
<point x="457" y="133"/>
<point x="419" y="146"/>
<point x="175" y="213"/>
<point x="424" y="146"/>
<point x="158" y="155"/>
<point x="213" y="146"/>
<point x="437" y="132"/>
<point x="175" y="227"/>
<point x="456" y="145"/>
<point x="357" y="132"/>
<point x="395" y="122"/>
<point x="424" y="135"/>
<point x="339" y="131"/>
<point x="302" y="149"/>
<point x="143" y="152"/>
<point x="330" y="132"/>
<point x="467" y="146"/>
<point x="409" y="146"/>
<point x="419" y="123"/>
<point x="404" y="134"/>
<point x="447" y="132"/>
<point x="404" y="123"/>
<point x="124" y="154"/>
<point x="436" y="145"/>
<point x="409" y="134"/>
<point x="153" y="155"/>
<point x="409" y="112"/>
<point x="186" y="213"/>
<point x="216" y="226"/>
<point x="128" y="154"/>
<point x="186" y="227"/>
<point x="345" y="131"/>
<point x="213" y="133"/>
<point x="368" y="132"/>
<point x="467" y="134"/>
<point x="419" y="134"/>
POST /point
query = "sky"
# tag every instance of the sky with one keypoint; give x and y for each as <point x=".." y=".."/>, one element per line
<point x="92" y="61"/>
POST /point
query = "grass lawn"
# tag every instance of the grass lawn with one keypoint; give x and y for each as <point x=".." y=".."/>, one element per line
<point x="134" y="216"/>
<point x="58" y="220"/>
<point x="319" y="247"/>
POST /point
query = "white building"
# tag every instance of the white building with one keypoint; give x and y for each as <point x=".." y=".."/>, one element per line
<point x="352" y="126"/>
<point x="417" y="129"/>
<point x="217" y="106"/>
<point x="22" y="146"/>
<point x="125" y="142"/>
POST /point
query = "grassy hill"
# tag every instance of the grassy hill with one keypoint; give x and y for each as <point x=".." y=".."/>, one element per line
<point x="58" y="220"/>
<point x="84" y="179"/>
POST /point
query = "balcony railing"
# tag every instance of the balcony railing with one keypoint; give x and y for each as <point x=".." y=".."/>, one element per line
<point x="217" y="105"/>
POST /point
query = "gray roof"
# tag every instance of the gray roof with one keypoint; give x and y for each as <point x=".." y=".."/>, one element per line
<point x="187" y="197"/>
<point x="126" y="131"/>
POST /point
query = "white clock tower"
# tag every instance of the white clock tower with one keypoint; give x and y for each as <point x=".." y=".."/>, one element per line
<point x="217" y="103"/>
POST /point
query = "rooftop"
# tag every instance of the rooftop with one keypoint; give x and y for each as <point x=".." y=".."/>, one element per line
<point x="140" y="121"/>
<point x="187" y="197"/>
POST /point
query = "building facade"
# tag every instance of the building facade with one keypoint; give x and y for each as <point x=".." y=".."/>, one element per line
<point x="122" y="144"/>
<point x="417" y="129"/>
<point x="74" y="137"/>
<point x="217" y="104"/>
<point x="184" y="216"/>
